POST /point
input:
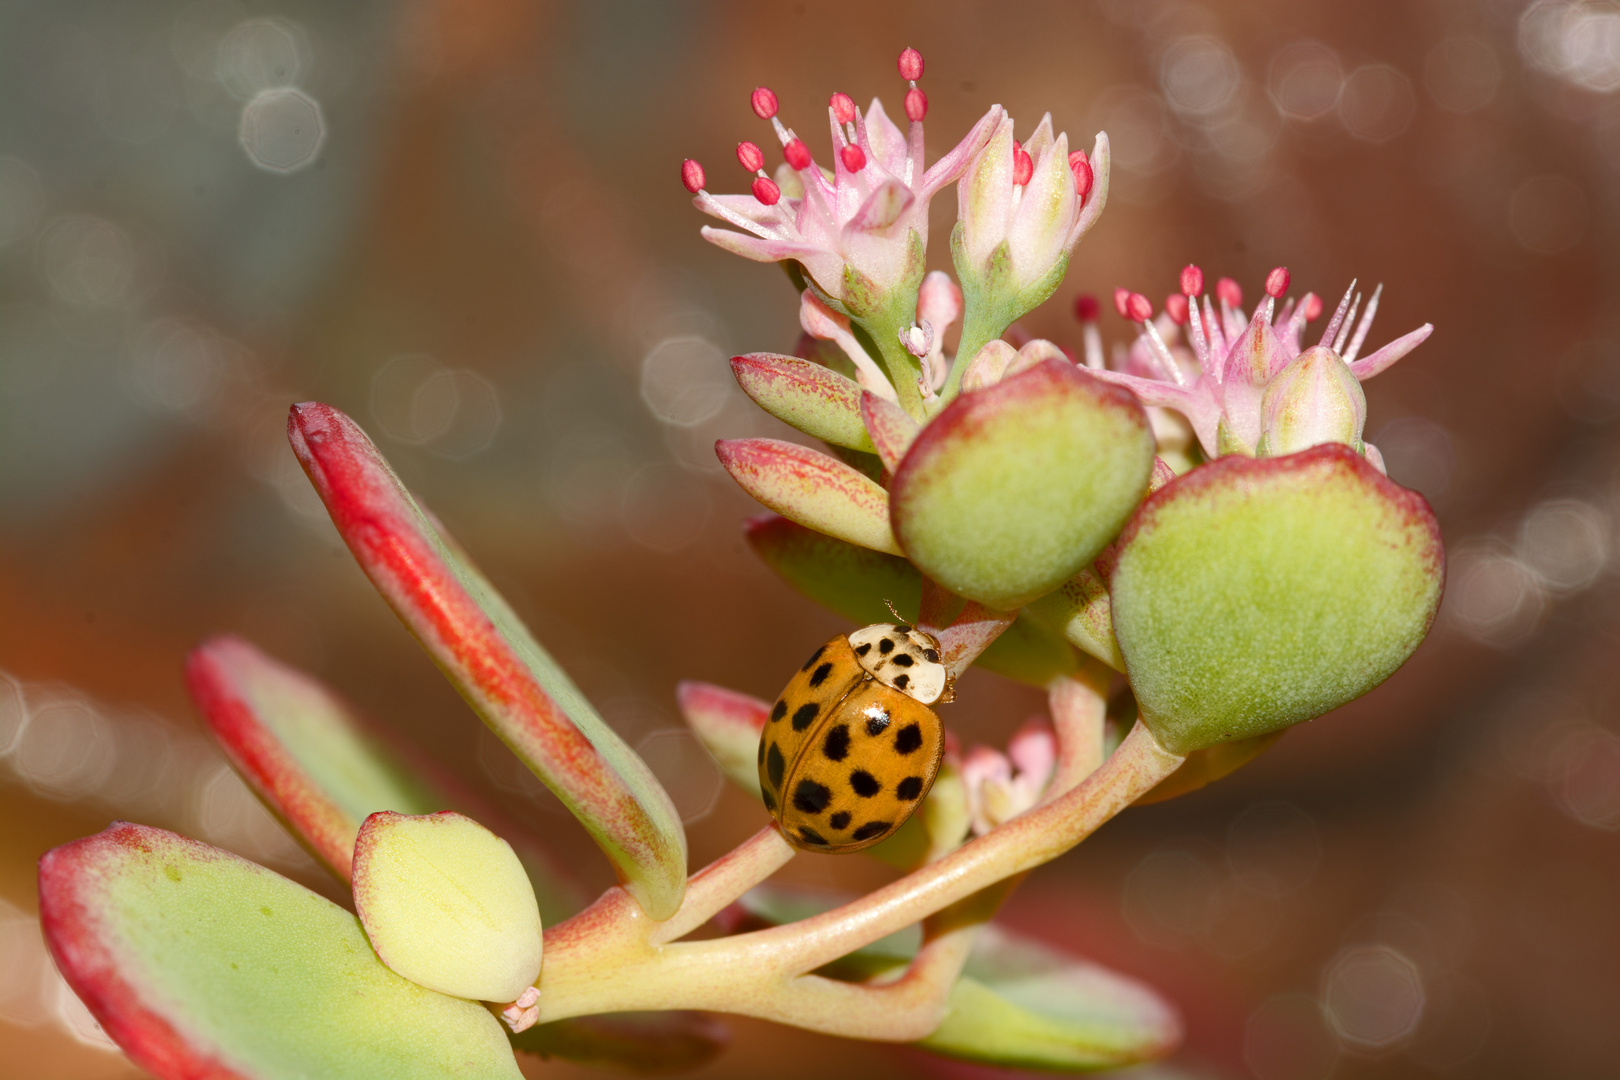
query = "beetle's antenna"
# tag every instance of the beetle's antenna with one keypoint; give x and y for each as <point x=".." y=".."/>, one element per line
<point x="890" y="605"/>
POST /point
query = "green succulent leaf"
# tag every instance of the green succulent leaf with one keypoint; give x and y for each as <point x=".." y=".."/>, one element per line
<point x="1019" y="1003"/>
<point x="807" y="395"/>
<point x="490" y="656"/>
<point x="201" y="964"/>
<point x="1250" y="595"/>
<point x="1014" y="488"/>
<point x="891" y="430"/>
<point x="854" y="582"/>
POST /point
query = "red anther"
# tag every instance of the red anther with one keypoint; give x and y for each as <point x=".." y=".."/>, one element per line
<point x="854" y="158"/>
<point x="692" y="176"/>
<point x="764" y="102"/>
<point x="911" y="64"/>
<point x="843" y="107"/>
<point x="1175" y="306"/>
<point x="1023" y="165"/>
<point x="1085" y="307"/>
<point x="1122" y="302"/>
<point x="750" y="156"/>
<point x="1081" y="168"/>
<point x="1229" y="292"/>
<point x="1139" y="308"/>
<point x="766" y="191"/>
<point x="916" y="105"/>
<point x="1277" y="282"/>
<point x="1312" y="306"/>
<point x="797" y="154"/>
<point x="1192" y="280"/>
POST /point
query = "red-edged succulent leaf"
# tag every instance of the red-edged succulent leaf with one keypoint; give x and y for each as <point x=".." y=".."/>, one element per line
<point x="202" y="965"/>
<point x="493" y="660"/>
<point x="892" y="430"/>
<point x="729" y="724"/>
<point x="807" y="486"/>
<point x="1012" y="489"/>
<point x="807" y="395"/>
<point x="1204" y="767"/>
<point x="1250" y="595"/>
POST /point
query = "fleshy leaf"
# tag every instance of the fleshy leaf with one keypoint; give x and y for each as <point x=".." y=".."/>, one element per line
<point x="811" y="488"/>
<point x="1019" y="1002"/>
<point x="489" y="655"/>
<point x="1250" y="595"/>
<point x="854" y="582"/>
<point x="1013" y="488"/>
<point x="807" y="395"/>
<point x="201" y="964"/>
<point x="728" y="724"/>
<point x="1080" y="610"/>
<point x="447" y="905"/>
<point x="892" y="431"/>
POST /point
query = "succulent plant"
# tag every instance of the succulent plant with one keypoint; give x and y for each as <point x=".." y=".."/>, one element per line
<point x="1017" y="505"/>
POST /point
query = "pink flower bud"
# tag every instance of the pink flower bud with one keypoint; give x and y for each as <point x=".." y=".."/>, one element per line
<point x="1192" y="280"/>
<point x="750" y="157"/>
<point x="1277" y="282"/>
<point x="1023" y="165"/>
<point x="854" y="158"/>
<point x="1229" y="292"/>
<point x="797" y="154"/>
<point x="763" y="100"/>
<point x="916" y="105"/>
<point x="1314" y="400"/>
<point x="766" y="191"/>
<point x="1175" y="306"/>
<point x="1139" y="308"/>
<point x="692" y="176"/>
<point x="843" y="107"/>
<point x="1085" y="307"/>
<point x="911" y="64"/>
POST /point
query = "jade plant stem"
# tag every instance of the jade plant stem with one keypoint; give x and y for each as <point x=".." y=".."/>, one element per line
<point x="762" y="973"/>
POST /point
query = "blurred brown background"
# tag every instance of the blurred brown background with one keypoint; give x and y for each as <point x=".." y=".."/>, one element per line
<point x="459" y="221"/>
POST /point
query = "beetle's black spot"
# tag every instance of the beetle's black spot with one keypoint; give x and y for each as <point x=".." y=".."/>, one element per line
<point x="876" y="721"/>
<point x="839" y="820"/>
<point x="813" y="658"/>
<point x="780" y="710"/>
<point x="869" y="830"/>
<point x="762" y="751"/>
<point x="909" y="739"/>
<point x="836" y="745"/>
<point x="770" y="803"/>
<point x="902" y="681"/>
<point x="804" y="714"/>
<point x="931" y="655"/>
<point x="774" y="765"/>
<point x="909" y="788"/>
<point x="866" y="647"/>
<point x="819" y="676"/>
<point x="886" y="646"/>
<point x="904" y="660"/>
<point x="865" y="784"/>
<point x="810" y="836"/>
<point x="811" y="797"/>
<point x="902" y="629"/>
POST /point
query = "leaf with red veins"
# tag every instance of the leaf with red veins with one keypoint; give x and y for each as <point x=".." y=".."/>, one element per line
<point x="889" y="427"/>
<point x="489" y="655"/>
<point x="811" y="488"/>
<point x="203" y="966"/>
<point x="811" y="397"/>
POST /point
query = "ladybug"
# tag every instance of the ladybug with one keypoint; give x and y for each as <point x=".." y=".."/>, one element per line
<point x="852" y="745"/>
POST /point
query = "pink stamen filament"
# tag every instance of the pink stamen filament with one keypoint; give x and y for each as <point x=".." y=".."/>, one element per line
<point x="1332" y="329"/>
<point x="1365" y="325"/>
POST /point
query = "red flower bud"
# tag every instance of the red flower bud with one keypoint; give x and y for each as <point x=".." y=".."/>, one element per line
<point x="1175" y="305"/>
<point x="764" y="102"/>
<point x="854" y="158"/>
<point x="750" y="156"/>
<point x="1229" y="292"/>
<point x="1140" y="308"/>
<point x="1192" y="281"/>
<point x="797" y="154"/>
<point x="843" y="107"/>
<point x="911" y="64"/>
<point x="692" y="175"/>
<point x="1085" y="307"/>
<point x="766" y="191"/>
<point x="916" y="105"/>
<point x="1277" y="282"/>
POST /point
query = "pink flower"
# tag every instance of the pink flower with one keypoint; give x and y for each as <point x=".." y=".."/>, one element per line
<point x="860" y="230"/>
<point x="995" y="791"/>
<point x="1219" y="378"/>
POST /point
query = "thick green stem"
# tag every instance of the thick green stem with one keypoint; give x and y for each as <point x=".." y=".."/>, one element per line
<point x="979" y="329"/>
